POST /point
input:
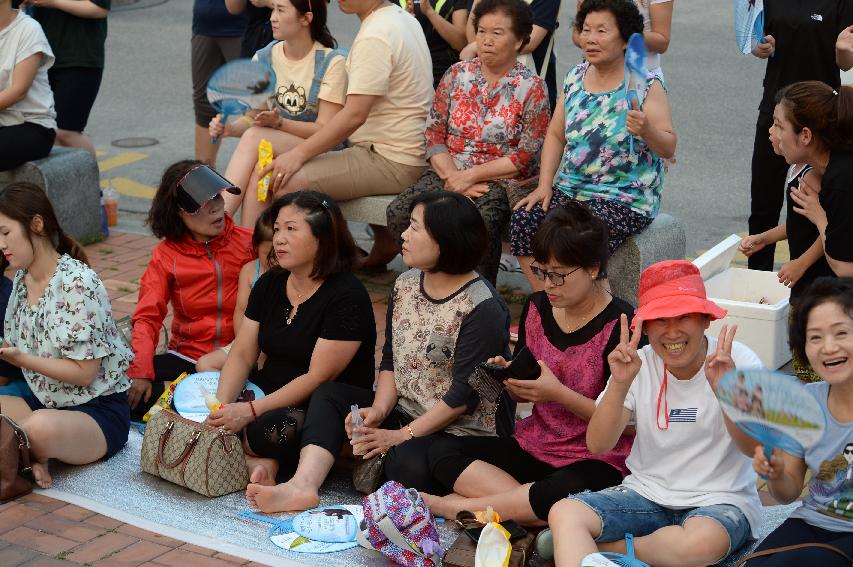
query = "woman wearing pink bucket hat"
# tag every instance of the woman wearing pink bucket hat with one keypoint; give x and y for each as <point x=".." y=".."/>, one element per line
<point x="690" y="498"/>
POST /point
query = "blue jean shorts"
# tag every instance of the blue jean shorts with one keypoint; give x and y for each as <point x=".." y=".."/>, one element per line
<point x="622" y="510"/>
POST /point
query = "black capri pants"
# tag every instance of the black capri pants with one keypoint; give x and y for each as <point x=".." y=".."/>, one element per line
<point x="24" y="142"/>
<point x="449" y="457"/>
<point x="324" y="426"/>
<point x="796" y="530"/>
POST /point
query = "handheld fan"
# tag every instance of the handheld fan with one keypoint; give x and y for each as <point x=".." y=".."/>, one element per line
<point x="610" y="559"/>
<point x="189" y="401"/>
<point x="773" y="408"/>
<point x="239" y="86"/>
<point x="285" y="532"/>
<point x="749" y="24"/>
<point x="635" y="75"/>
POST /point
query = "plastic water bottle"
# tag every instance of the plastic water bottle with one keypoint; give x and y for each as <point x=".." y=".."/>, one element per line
<point x="356" y="421"/>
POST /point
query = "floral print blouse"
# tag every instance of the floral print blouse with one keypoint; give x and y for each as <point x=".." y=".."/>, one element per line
<point x="476" y="123"/>
<point x="73" y="320"/>
<point x="597" y="161"/>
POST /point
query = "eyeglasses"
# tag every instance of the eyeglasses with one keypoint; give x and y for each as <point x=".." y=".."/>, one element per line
<point x="556" y="278"/>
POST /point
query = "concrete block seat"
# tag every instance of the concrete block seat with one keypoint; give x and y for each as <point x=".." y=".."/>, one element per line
<point x="71" y="179"/>
<point x="370" y="210"/>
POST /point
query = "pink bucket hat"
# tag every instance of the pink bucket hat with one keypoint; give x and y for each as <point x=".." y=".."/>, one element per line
<point x="673" y="288"/>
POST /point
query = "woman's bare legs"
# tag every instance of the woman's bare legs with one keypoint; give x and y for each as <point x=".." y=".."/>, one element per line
<point x="302" y="492"/>
<point x="245" y="160"/>
<point x="262" y="470"/>
<point x="252" y="208"/>
<point x="69" y="436"/>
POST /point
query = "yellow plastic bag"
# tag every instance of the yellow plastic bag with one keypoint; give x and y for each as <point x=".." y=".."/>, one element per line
<point x="165" y="399"/>
<point x="264" y="159"/>
<point x="493" y="548"/>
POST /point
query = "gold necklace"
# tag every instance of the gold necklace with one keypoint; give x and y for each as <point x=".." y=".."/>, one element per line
<point x="584" y="320"/>
<point x="294" y="308"/>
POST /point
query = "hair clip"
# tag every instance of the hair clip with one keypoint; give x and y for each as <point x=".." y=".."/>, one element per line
<point x="325" y="204"/>
<point x="834" y="92"/>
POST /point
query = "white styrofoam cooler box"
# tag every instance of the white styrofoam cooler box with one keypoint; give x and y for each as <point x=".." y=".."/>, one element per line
<point x="757" y="303"/>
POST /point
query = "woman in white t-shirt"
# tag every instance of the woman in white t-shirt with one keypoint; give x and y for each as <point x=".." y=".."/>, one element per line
<point x="657" y="29"/>
<point x="311" y="83"/>
<point x="27" y="118"/>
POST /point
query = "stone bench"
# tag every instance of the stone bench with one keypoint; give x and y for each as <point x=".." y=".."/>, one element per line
<point x="664" y="239"/>
<point x="71" y="179"/>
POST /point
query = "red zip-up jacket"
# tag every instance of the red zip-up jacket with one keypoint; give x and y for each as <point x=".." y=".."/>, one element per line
<point x="200" y="280"/>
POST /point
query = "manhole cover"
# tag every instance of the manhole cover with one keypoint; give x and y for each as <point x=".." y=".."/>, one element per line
<point x="123" y="5"/>
<point x="134" y="142"/>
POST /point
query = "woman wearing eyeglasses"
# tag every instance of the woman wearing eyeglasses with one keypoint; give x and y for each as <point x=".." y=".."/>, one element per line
<point x="570" y="328"/>
<point x="311" y="318"/>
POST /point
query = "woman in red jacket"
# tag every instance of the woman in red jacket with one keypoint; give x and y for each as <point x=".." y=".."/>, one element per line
<point x="195" y="267"/>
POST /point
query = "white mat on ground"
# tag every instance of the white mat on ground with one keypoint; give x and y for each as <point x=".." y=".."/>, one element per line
<point x="118" y="488"/>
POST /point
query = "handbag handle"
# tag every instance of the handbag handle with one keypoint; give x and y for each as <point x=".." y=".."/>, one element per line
<point x="164" y="438"/>
<point x="775" y="550"/>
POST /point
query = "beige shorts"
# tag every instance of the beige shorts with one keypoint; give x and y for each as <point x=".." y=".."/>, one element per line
<point x="358" y="171"/>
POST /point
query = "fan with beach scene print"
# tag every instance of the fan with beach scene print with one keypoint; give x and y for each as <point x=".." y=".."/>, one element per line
<point x="636" y="75"/>
<point x="773" y="408"/>
<point x="239" y="86"/>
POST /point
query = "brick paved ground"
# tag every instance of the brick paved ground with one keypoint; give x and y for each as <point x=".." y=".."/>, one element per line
<point x="37" y="531"/>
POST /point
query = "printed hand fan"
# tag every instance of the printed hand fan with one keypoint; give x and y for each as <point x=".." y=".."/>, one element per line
<point x="749" y="24"/>
<point x="635" y="75"/>
<point x="285" y="532"/>
<point x="239" y="86"/>
<point x="773" y="408"/>
<point x="610" y="559"/>
<point x="189" y="400"/>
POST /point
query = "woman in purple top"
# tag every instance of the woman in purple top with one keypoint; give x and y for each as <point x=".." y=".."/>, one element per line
<point x="570" y="327"/>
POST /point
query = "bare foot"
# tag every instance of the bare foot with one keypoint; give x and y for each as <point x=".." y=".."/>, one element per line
<point x="262" y="471"/>
<point x="287" y="497"/>
<point x="445" y="506"/>
<point x="41" y="474"/>
<point x="384" y="249"/>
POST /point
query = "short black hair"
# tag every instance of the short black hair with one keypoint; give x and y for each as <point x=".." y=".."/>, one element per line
<point x="454" y="222"/>
<point x="164" y="215"/>
<point x="625" y="12"/>
<point x="336" y="248"/>
<point x="573" y="236"/>
<point x="822" y="290"/>
<point x="518" y="11"/>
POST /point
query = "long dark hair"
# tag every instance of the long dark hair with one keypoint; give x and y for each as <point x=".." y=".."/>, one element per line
<point x="336" y="249"/>
<point x="164" y="215"/>
<point x="319" y="23"/>
<point x="22" y="202"/>
<point x="827" y="112"/>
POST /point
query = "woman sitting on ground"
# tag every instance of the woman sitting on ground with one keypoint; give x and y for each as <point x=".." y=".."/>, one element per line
<point x="249" y="275"/>
<point x="483" y="145"/>
<point x="443" y="319"/>
<point x="27" y="117"/>
<point x="313" y="321"/>
<point x="195" y="267"/>
<point x="311" y="81"/>
<point x="60" y="331"/>
<point x="570" y="328"/>
<point x="587" y="155"/>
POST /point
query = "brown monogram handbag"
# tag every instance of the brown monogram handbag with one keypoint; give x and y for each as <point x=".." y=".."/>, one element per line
<point x="15" y="469"/>
<point x="202" y="458"/>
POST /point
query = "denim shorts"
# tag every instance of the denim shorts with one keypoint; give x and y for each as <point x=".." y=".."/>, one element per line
<point x="621" y="510"/>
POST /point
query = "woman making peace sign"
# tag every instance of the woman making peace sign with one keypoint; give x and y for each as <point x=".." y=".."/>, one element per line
<point x="690" y="498"/>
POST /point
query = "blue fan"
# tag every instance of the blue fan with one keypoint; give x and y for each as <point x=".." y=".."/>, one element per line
<point x="610" y="559"/>
<point x="749" y="24"/>
<point x="239" y="86"/>
<point x="635" y="75"/>
<point x="773" y="408"/>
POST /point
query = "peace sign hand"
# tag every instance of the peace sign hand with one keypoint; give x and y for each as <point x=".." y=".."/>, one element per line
<point x="624" y="361"/>
<point x="720" y="361"/>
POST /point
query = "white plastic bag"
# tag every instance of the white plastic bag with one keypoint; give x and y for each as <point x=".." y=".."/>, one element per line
<point x="493" y="548"/>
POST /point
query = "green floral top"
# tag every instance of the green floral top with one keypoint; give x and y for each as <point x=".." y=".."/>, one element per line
<point x="597" y="160"/>
<point x="71" y="320"/>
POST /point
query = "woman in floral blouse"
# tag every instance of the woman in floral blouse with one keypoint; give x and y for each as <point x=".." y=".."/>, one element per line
<point x="59" y="330"/>
<point x="597" y="149"/>
<point x="486" y="126"/>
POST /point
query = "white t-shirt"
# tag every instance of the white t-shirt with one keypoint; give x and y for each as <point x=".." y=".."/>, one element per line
<point x="694" y="462"/>
<point x="652" y="59"/>
<point x="390" y="58"/>
<point x="21" y="39"/>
